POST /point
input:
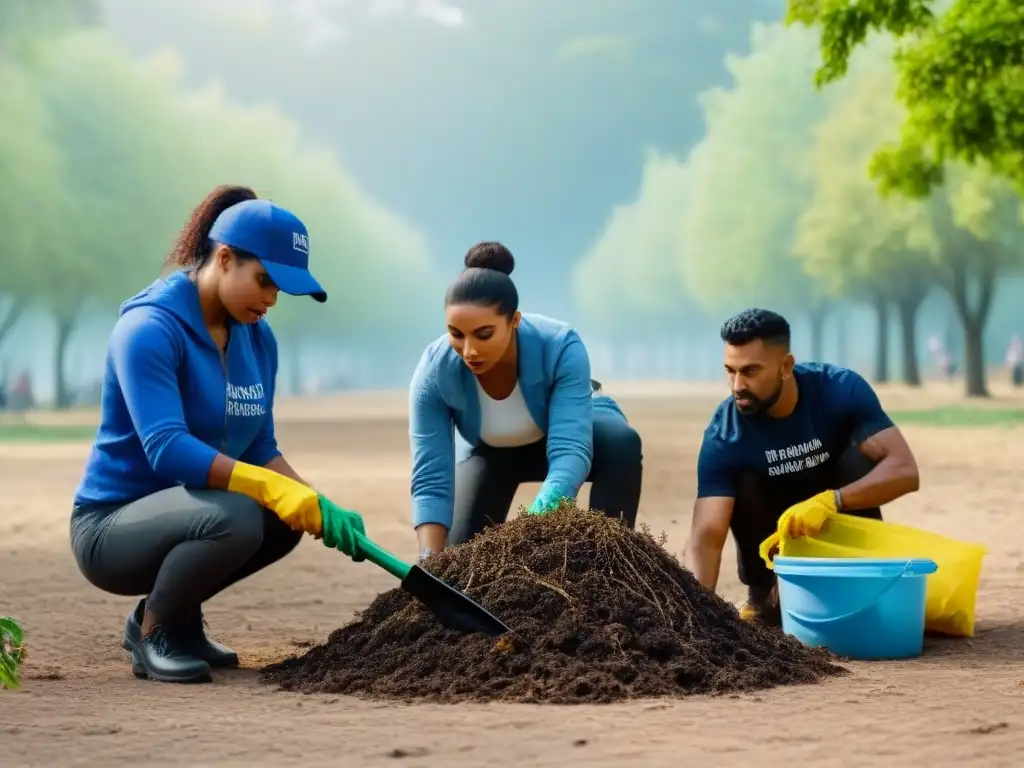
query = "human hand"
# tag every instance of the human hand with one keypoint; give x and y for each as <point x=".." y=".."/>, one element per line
<point x="545" y="502"/>
<point x="293" y="502"/>
<point x="808" y="517"/>
<point x="341" y="528"/>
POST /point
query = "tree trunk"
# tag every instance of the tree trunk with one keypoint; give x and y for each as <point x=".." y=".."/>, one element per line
<point x="973" y="319"/>
<point x="816" y="320"/>
<point x="974" y="359"/>
<point x="842" y="338"/>
<point x="908" y="307"/>
<point x="882" y="340"/>
<point x="11" y="317"/>
<point x="62" y="395"/>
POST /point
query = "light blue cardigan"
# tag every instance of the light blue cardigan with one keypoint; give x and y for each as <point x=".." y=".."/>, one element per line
<point x="554" y="374"/>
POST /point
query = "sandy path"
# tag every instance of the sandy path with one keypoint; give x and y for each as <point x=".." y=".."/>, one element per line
<point x="81" y="707"/>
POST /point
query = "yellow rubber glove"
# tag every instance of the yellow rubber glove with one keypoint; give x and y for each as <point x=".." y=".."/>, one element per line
<point x="808" y="517"/>
<point x="296" y="504"/>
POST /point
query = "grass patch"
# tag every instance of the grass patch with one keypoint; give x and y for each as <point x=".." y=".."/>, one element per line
<point x="961" y="416"/>
<point x="42" y="433"/>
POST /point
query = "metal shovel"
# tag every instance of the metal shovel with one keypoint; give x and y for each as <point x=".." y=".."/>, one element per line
<point x="452" y="608"/>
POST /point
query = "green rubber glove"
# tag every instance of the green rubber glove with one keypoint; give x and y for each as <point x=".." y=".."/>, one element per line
<point x="545" y="503"/>
<point x="340" y="528"/>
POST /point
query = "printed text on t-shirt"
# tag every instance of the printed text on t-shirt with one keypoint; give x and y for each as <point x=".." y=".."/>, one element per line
<point x="795" y="458"/>
<point x="246" y="401"/>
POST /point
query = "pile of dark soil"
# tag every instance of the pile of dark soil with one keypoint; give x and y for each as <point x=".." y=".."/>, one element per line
<point x="602" y="614"/>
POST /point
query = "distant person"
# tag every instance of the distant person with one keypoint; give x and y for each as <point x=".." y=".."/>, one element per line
<point x="517" y="387"/>
<point x="185" y="492"/>
<point x="1015" y="361"/>
<point x="942" y="362"/>
<point x="22" y="395"/>
<point x="810" y="436"/>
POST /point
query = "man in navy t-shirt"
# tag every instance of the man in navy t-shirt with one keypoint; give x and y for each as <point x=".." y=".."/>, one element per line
<point x="811" y="436"/>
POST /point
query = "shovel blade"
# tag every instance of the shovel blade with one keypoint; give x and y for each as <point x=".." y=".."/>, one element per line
<point x="453" y="609"/>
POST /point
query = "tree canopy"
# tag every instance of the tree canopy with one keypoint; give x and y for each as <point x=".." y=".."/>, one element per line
<point x="726" y="215"/>
<point x="634" y="267"/>
<point x="523" y="121"/>
<point x="961" y="79"/>
<point x="748" y="169"/>
<point x="781" y="204"/>
<point x="110" y="153"/>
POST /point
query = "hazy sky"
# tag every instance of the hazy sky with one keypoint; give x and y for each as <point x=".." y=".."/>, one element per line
<point x="520" y="120"/>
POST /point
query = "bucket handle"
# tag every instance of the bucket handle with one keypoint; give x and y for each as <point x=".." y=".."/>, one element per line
<point x="908" y="568"/>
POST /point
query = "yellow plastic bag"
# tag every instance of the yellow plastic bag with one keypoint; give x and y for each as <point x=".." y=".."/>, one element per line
<point x="951" y="591"/>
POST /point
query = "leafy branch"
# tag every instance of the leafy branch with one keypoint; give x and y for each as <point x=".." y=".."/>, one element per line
<point x="12" y="652"/>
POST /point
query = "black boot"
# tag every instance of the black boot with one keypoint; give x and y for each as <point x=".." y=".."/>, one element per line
<point x="190" y="635"/>
<point x="133" y="627"/>
<point x="161" y="655"/>
<point x="195" y="641"/>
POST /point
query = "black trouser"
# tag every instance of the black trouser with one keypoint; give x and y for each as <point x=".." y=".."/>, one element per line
<point x="487" y="481"/>
<point x="179" y="547"/>
<point x="757" y="510"/>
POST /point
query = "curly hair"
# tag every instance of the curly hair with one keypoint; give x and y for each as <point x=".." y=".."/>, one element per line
<point x="193" y="244"/>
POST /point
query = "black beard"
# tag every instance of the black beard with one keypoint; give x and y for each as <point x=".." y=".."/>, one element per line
<point x="757" y="405"/>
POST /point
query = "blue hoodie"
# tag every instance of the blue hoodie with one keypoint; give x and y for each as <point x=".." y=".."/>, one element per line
<point x="171" y="401"/>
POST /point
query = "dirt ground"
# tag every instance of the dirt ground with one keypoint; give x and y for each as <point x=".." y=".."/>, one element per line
<point x="80" y="706"/>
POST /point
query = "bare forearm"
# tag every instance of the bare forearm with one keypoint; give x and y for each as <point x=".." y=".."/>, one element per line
<point x="218" y="476"/>
<point x="704" y="559"/>
<point x="431" y="537"/>
<point x="889" y="480"/>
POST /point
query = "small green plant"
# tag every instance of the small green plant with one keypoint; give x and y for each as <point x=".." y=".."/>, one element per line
<point x="12" y="652"/>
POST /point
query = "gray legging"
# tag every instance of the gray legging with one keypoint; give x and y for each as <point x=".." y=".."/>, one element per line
<point x="179" y="547"/>
<point x="487" y="481"/>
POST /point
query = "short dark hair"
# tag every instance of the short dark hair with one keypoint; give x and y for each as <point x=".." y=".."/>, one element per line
<point x="485" y="281"/>
<point x="756" y="324"/>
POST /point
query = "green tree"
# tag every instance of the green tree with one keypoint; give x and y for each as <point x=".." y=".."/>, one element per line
<point x="25" y="22"/>
<point x="137" y="150"/>
<point x="632" y="275"/>
<point x="443" y="126"/>
<point x="375" y="268"/>
<point x="959" y="78"/>
<point x="740" y="225"/>
<point x="30" y="168"/>
<point x="28" y="162"/>
<point x="118" y="203"/>
<point x="960" y="72"/>
<point x="977" y="234"/>
<point x="859" y="245"/>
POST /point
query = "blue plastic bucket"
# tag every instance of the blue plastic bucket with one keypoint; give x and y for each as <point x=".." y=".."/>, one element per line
<point x="857" y="608"/>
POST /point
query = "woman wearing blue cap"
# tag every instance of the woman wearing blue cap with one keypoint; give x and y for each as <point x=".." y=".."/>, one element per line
<point x="185" y="491"/>
<point x="518" y="389"/>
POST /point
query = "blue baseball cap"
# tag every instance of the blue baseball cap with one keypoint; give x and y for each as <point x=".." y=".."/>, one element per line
<point x="277" y="238"/>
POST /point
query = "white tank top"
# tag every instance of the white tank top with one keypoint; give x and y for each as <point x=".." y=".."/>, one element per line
<point x="506" y="423"/>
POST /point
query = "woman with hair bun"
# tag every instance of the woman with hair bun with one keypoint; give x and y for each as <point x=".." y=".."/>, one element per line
<point x="517" y="387"/>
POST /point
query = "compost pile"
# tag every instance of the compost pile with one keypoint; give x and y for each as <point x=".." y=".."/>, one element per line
<point x="599" y="613"/>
